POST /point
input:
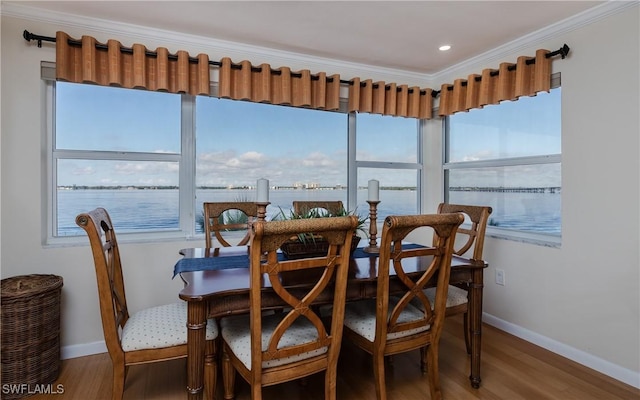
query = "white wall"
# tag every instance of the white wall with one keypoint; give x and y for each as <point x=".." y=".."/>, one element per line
<point x="581" y="300"/>
<point x="23" y="159"/>
<point x="148" y="267"/>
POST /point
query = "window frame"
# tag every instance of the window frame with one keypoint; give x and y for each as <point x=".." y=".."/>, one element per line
<point x="185" y="164"/>
<point x="537" y="238"/>
<point x="354" y="165"/>
<point x="187" y="169"/>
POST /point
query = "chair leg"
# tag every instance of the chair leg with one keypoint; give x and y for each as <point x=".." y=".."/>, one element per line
<point x="228" y="375"/>
<point x="256" y="391"/>
<point x="210" y="369"/>
<point x="330" y="382"/>
<point x="467" y="337"/>
<point x="423" y="359"/>
<point x="433" y="372"/>
<point x="378" y="374"/>
<point x="119" y="374"/>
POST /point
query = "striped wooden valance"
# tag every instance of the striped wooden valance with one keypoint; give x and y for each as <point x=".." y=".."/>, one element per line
<point x="527" y="77"/>
<point x="111" y="64"/>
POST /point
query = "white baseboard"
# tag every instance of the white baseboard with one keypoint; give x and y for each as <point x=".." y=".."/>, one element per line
<point x="81" y="350"/>
<point x="588" y="360"/>
<point x="603" y="366"/>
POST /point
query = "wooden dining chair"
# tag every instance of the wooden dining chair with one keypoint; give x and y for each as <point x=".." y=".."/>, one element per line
<point x="335" y="208"/>
<point x="267" y="349"/>
<point x="391" y="324"/>
<point x="470" y="244"/>
<point x="225" y="217"/>
<point x="149" y="335"/>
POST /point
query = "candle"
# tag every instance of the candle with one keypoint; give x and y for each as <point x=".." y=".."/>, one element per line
<point x="374" y="189"/>
<point x="263" y="191"/>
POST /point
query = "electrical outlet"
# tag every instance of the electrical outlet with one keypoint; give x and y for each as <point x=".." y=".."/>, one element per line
<point x="500" y="277"/>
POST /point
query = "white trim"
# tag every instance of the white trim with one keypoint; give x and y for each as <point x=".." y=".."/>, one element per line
<point x="235" y="50"/>
<point x="603" y="366"/>
<point x="608" y="368"/>
<point x="388" y="164"/>
<point x="530" y="237"/>
<point x="546" y="33"/>
<point x="240" y="51"/>
<point x="111" y="155"/>
<point x="505" y="162"/>
<point x="81" y="350"/>
<point x="187" y="178"/>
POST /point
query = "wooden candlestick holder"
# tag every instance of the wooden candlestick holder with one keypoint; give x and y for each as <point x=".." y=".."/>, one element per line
<point x="262" y="210"/>
<point x="373" y="228"/>
<point x="262" y="215"/>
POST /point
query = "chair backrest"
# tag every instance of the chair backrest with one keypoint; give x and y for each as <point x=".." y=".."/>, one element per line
<point x="326" y="272"/>
<point x="479" y="217"/>
<point x="106" y="257"/>
<point x="220" y="217"/>
<point x="411" y="283"/>
<point x="335" y="208"/>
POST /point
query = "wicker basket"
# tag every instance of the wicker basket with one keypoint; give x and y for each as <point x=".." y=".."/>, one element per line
<point x="30" y="331"/>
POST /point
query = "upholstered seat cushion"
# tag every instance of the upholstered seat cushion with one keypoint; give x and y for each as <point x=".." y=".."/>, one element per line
<point x="158" y="327"/>
<point x="236" y="333"/>
<point x="455" y="296"/>
<point x="360" y="317"/>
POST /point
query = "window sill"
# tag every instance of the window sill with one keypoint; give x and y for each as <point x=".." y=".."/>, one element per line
<point x="148" y="237"/>
<point x="537" y="239"/>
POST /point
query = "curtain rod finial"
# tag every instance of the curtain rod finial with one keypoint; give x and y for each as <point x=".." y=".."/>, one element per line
<point x="564" y="51"/>
<point x="28" y="36"/>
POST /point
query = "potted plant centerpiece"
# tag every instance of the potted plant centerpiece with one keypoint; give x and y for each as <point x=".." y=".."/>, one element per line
<point x="313" y="245"/>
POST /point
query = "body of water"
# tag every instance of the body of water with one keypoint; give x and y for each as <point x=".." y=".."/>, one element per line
<point x="144" y="210"/>
<point x="532" y="212"/>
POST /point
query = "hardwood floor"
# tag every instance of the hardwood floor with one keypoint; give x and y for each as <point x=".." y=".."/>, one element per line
<point x="511" y="369"/>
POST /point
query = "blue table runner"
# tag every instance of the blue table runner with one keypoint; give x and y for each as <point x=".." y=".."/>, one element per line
<point x="242" y="261"/>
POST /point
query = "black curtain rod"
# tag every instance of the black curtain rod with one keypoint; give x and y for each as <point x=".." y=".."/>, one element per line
<point x="562" y="51"/>
<point x="28" y="36"/>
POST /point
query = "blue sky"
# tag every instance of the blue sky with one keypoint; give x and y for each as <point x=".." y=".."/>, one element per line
<point x="533" y="133"/>
<point x="239" y="142"/>
<point x="505" y="131"/>
<point x="104" y="118"/>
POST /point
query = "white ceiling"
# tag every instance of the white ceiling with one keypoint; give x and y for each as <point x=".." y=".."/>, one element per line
<point x="403" y="35"/>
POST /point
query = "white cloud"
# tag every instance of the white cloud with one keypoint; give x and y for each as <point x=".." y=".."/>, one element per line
<point x="88" y="170"/>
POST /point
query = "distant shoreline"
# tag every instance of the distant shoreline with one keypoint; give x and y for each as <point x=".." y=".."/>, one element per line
<point x="502" y="189"/>
<point x="150" y="187"/>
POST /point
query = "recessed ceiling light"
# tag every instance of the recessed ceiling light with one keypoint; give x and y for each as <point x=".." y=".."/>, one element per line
<point x="444" y="48"/>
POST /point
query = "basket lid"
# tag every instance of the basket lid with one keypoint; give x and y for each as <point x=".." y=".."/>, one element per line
<point x="26" y="285"/>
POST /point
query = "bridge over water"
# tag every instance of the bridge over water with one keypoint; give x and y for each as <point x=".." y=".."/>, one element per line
<point x="547" y="189"/>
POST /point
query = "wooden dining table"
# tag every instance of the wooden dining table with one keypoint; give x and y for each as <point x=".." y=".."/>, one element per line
<point x="216" y="284"/>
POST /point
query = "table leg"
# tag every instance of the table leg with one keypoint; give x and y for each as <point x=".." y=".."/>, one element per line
<point x="475" y="325"/>
<point x="196" y="339"/>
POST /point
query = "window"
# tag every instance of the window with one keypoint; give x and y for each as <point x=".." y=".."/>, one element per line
<point x="387" y="150"/>
<point x="304" y="155"/>
<point x="112" y="148"/>
<point x="509" y="157"/>
<point x="151" y="159"/>
<point x="302" y="152"/>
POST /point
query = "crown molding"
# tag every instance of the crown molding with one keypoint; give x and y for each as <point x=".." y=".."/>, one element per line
<point x="547" y="33"/>
<point x="234" y="50"/>
<point x="240" y="51"/>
